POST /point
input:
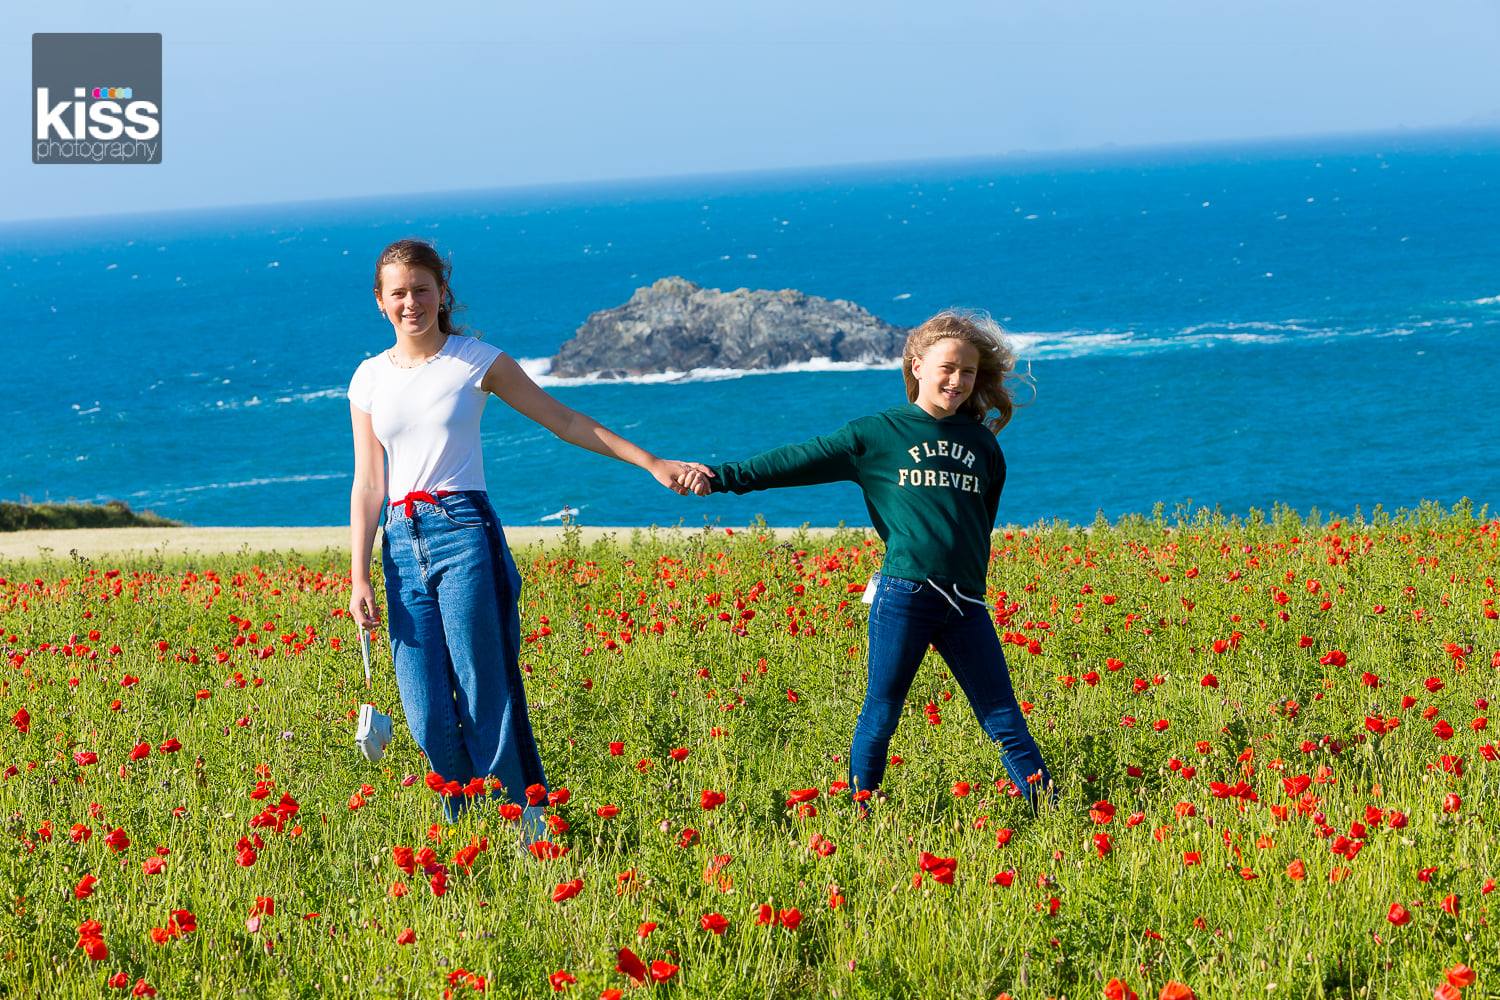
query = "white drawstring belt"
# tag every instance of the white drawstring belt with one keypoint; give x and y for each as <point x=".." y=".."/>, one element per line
<point x="959" y="594"/>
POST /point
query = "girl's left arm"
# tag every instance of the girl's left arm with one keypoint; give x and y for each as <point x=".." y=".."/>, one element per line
<point x="510" y="382"/>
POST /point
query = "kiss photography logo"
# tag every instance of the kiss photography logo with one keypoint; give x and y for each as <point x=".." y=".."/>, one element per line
<point x="96" y="98"/>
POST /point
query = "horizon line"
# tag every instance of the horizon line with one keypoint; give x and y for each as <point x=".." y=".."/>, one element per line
<point x="1022" y="154"/>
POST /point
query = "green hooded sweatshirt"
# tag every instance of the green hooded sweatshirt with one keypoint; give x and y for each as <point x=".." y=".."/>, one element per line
<point x="932" y="487"/>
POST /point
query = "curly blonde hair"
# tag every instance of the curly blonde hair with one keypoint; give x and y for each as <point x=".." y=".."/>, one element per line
<point x="997" y="362"/>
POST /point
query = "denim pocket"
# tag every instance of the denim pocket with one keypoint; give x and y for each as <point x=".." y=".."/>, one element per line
<point x="900" y="586"/>
<point x="465" y="514"/>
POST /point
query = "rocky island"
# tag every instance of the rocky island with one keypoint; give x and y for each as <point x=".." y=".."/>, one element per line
<point x="674" y="325"/>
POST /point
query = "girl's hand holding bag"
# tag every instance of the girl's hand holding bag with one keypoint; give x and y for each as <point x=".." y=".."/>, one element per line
<point x="373" y="734"/>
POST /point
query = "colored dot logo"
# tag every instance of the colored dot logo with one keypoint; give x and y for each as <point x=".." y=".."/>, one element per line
<point x="111" y="93"/>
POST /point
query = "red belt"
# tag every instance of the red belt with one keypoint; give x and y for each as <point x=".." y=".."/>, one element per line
<point x="409" y="501"/>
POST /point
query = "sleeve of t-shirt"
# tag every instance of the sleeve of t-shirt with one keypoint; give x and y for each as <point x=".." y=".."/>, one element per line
<point x="480" y="356"/>
<point x="362" y="388"/>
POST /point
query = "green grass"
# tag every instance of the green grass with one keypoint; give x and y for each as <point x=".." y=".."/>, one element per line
<point x="114" y="514"/>
<point x="1153" y="596"/>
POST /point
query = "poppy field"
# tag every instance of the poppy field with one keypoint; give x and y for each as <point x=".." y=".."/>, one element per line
<point x="1277" y="777"/>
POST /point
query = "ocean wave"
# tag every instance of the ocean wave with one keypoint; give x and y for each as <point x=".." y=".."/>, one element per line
<point x="182" y="491"/>
<point x="284" y="398"/>
<point x="539" y="368"/>
<point x="1031" y="345"/>
<point x="337" y="392"/>
<point x="559" y="515"/>
<point x="1488" y="300"/>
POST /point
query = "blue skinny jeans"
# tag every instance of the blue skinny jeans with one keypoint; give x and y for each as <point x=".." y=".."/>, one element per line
<point x="453" y="593"/>
<point x="906" y="617"/>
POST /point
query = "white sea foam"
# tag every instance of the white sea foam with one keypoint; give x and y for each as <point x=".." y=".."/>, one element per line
<point x="565" y="512"/>
<point x="1488" y="300"/>
<point x="178" y="491"/>
<point x="538" y="369"/>
<point x="306" y="397"/>
<point x="1061" y="344"/>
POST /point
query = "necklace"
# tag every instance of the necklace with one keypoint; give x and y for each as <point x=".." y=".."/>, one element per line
<point x="395" y="360"/>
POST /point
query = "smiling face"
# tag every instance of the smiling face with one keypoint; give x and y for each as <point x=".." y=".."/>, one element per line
<point x="945" y="376"/>
<point x="409" y="296"/>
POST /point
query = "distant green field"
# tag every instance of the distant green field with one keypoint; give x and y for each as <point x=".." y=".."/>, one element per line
<point x="1278" y="777"/>
<point x="115" y="514"/>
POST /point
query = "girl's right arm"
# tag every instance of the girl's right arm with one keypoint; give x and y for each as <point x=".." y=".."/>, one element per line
<point x="366" y="497"/>
<point x="826" y="459"/>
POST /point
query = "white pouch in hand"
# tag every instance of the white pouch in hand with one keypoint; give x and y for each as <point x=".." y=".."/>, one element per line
<point x="373" y="734"/>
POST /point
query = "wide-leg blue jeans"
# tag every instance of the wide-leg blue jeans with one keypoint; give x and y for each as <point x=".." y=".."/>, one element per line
<point x="453" y="593"/>
<point x="906" y="617"/>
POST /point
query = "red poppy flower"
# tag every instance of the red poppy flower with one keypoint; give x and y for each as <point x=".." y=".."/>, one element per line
<point x="567" y="890"/>
<point x="715" y="923"/>
<point x="662" y="971"/>
<point x="1176" y="991"/>
<point x="1461" y="976"/>
<point x="627" y="962"/>
<point x="710" y="799"/>
<point x="1398" y="915"/>
<point x="561" y="980"/>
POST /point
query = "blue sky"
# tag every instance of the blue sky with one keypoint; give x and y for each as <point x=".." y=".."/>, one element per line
<point x="312" y="100"/>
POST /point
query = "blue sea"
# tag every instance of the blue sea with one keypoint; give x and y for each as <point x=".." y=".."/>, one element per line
<point x="1308" y="323"/>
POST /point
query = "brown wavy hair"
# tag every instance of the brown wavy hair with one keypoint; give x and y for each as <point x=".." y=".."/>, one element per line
<point x="420" y="253"/>
<point x="997" y="362"/>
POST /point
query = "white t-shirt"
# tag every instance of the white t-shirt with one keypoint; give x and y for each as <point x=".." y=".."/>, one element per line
<point x="427" y="418"/>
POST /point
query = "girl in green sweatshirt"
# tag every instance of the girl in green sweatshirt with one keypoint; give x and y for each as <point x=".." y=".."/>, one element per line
<point x="931" y="472"/>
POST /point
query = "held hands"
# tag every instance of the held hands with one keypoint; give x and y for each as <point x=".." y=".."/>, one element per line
<point x="682" y="478"/>
<point x="362" y="606"/>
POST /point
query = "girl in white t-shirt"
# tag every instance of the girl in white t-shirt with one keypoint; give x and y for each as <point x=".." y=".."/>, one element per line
<point x="451" y="587"/>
